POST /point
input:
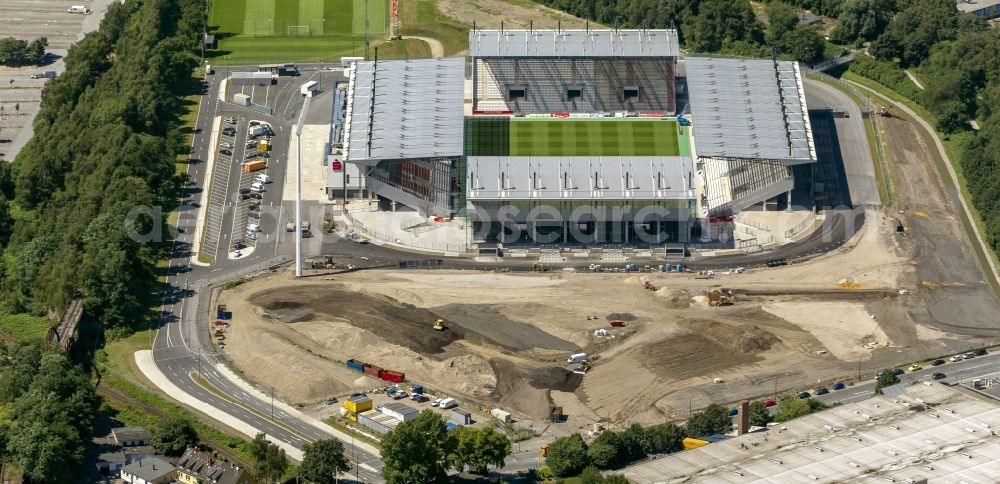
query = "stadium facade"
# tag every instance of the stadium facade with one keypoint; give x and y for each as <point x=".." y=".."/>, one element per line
<point x="573" y="136"/>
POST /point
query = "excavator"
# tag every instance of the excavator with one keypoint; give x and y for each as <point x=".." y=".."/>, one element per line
<point x="439" y="325"/>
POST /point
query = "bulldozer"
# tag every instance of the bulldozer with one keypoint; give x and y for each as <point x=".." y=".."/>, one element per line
<point x="721" y="297"/>
<point x="439" y="325"/>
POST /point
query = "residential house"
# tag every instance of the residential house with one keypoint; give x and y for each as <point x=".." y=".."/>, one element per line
<point x="151" y="470"/>
<point x="196" y="467"/>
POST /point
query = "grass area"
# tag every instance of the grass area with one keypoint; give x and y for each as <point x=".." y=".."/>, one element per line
<point x="338" y="423"/>
<point x="404" y="49"/>
<point x="422" y="18"/>
<point x="25" y="327"/>
<point x="954" y="145"/>
<point x="273" y="31"/>
<point x="265" y="50"/>
<point x="594" y="137"/>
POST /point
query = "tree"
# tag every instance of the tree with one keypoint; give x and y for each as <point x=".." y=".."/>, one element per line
<point x="665" y="438"/>
<point x="715" y="419"/>
<point x="797" y="407"/>
<point x="416" y="451"/>
<point x="173" y="435"/>
<point x="781" y="19"/>
<point x="860" y="19"/>
<point x="887" y="378"/>
<point x="36" y="50"/>
<point x="322" y="461"/>
<point x="479" y="448"/>
<point x="604" y="452"/>
<point x="567" y="455"/>
<point x="804" y="44"/>
<point x="635" y="444"/>
<point x="270" y="461"/>
<point x="759" y="415"/>
<point x="591" y="475"/>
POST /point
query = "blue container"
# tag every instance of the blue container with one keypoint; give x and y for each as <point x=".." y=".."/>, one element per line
<point x="734" y="411"/>
<point x="355" y="365"/>
<point x="449" y="426"/>
<point x="417" y="390"/>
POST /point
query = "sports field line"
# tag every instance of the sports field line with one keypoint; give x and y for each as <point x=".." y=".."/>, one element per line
<point x="259" y="17"/>
<point x="377" y="16"/>
<point x="311" y="14"/>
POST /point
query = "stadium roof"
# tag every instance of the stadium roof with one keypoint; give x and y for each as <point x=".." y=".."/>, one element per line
<point x="405" y="109"/>
<point x="931" y="431"/>
<point x="578" y="177"/>
<point x="749" y="108"/>
<point x="573" y="43"/>
<point x="974" y="5"/>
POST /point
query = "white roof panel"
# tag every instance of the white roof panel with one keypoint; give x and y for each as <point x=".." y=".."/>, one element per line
<point x="405" y="109"/>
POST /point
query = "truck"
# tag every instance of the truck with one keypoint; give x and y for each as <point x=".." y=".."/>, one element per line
<point x="290" y="227"/>
<point x="576" y="358"/>
<point x="255" y="165"/>
<point x="79" y="9"/>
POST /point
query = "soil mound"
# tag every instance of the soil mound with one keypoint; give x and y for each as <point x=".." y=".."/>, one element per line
<point x="745" y="339"/>
<point x="621" y="316"/>
<point x="482" y="324"/>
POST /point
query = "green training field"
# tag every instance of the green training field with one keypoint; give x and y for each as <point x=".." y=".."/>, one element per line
<point x="593" y="137"/>
<point x="313" y="18"/>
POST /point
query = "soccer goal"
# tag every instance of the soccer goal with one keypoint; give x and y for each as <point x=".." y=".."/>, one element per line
<point x="298" y="30"/>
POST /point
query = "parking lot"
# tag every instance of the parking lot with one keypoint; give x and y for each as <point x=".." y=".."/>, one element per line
<point x="234" y="204"/>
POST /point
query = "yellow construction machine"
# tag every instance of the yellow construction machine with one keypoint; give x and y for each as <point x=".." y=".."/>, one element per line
<point x="439" y="325"/>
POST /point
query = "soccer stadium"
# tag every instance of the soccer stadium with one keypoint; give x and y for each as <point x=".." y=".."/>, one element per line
<point x="574" y="137"/>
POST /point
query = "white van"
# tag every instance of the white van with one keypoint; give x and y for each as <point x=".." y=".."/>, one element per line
<point x="448" y="403"/>
<point x="265" y="179"/>
<point x="79" y="9"/>
<point x="576" y="358"/>
<point x="257" y="186"/>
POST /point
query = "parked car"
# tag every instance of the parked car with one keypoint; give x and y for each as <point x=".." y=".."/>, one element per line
<point x="226" y="152"/>
<point x="436" y="402"/>
<point x="955" y="358"/>
<point x="227" y="145"/>
<point x="229" y="131"/>
<point x="803" y="394"/>
<point x="230" y="120"/>
<point x="254" y="123"/>
<point x="769" y="403"/>
<point x="914" y="367"/>
<point x="43" y="75"/>
<point x="898" y="371"/>
<point x="331" y="400"/>
<point x="938" y="376"/>
<point x="244" y="190"/>
<point x="969" y="355"/>
<point x="937" y="362"/>
<point x="239" y="244"/>
<point x="981" y="352"/>
<point x="254" y="215"/>
<point x="838" y="386"/>
<point x="822" y="391"/>
<point x="878" y="374"/>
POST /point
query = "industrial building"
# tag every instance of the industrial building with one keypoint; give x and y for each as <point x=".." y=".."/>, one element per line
<point x="572" y="137"/>
<point x="984" y="9"/>
<point x="928" y="433"/>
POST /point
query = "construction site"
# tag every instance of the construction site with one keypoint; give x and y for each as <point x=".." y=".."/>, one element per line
<point x="658" y="345"/>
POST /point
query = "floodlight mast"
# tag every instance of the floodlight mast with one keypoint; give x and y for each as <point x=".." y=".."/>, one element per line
<point x="298" y="186"/>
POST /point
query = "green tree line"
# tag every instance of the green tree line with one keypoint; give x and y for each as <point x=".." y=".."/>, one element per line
<point x="105" y="141"/>
<point x="17" y="52"/>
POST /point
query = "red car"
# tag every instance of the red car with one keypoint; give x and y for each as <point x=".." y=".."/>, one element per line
<point x="769" y="403"/>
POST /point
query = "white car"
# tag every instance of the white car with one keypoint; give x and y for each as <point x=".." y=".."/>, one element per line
<point x="955" y="358"/>
<point x="436" y="402"/>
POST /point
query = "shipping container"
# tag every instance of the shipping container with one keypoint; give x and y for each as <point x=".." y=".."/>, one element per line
<point x="356" y="365"/>
<point x="358" y="404"/>
<point x="372" y="370"/>
<point x="460" y="416"/>
<point x="393" y="376"/>
<point x="256" y="165"/>
<point x="501" y="415"/>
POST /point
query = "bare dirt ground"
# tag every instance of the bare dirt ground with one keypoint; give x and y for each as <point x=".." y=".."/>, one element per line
<point x="488" y="14"/>
<point x="509" y="334"/>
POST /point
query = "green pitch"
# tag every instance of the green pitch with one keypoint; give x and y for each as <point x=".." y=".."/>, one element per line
<point x="259" y="18"/>
<point x="593" y="137"/>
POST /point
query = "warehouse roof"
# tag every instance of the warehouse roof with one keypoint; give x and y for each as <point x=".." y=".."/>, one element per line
<point x="397" y="407"/>
<point x="405" y="109"/>
<point x="579" y="177"/>
<point x="974" y="5"/>
<point x="749" y="108"/>
<point x="931" y="431"/>
<point x="574" y="43"/>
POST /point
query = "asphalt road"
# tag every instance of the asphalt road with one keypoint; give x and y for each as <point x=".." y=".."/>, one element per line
<point x="954" y="371"/>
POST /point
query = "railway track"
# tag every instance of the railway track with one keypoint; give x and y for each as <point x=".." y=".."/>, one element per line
<point x="113" y="394"/>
